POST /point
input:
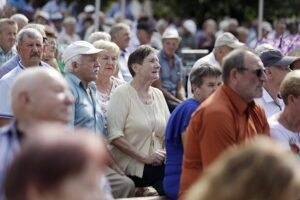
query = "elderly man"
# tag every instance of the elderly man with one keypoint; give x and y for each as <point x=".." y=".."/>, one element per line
<point x="142" y="36"/>
<point x="285" y="126"/>
<point x="38" y="95"/>
<point x="227" y="117"/>
<point x="30" y="48"/>
<point x="8" y="32"/>
<point x="223" y="45"/>
<point x="277" y="66"/>
<point x="120" y="34"/>
<point x="81" y="66"/>
<point x="170" y="78"/>
<point x="13" y="62"/>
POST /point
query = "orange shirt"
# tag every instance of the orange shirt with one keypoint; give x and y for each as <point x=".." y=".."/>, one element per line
<point x="224" y="119"/>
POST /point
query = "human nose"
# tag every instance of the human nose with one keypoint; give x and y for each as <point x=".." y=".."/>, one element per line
<point x="263" y="76"/>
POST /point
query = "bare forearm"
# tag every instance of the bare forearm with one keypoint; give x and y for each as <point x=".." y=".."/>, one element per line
<point x="123" y="145"/>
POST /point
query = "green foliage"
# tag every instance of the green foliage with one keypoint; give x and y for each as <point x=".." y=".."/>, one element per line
<point x="243" y="10"/>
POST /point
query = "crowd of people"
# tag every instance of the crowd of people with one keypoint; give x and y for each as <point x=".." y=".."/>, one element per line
<point x="107" y="114"/>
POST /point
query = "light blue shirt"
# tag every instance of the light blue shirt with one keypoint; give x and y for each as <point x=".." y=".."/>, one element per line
<point x="9" y="146"/>
<point x="9" y="65"/>
<point x="5" y="56"/>
<point x="86" y="111"/>
<point x="5" y="88"/>
<point x="169" y="75"/>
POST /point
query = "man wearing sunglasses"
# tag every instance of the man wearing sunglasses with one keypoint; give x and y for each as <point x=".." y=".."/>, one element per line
<point x="277" y="66"/>
<point x="228" y="117"/>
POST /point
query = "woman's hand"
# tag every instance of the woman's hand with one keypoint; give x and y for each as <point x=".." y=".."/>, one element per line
<point x="156" y="158"/>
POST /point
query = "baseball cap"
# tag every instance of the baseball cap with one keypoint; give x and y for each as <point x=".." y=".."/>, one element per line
<point x="227" y="39"/>
<point x="79" y="48"/>
<point x="43" y="14"/>
<point x="274" y="57"/>
<point x="171" y="33"/>
<point x="57" y="16"/>
<point x="190" y="26"/>
<point x="145" y="26"/>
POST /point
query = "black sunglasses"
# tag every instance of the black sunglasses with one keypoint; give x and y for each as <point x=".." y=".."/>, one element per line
<point x="45" y="39"/>
<point x="257" y="72"/>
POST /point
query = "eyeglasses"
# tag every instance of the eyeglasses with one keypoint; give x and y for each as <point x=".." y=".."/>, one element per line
<point x="258" y="72"/>
<point x="45" y="39"/>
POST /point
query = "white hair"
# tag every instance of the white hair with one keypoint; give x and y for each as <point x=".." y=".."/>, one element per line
<point x="69" y="20"/>
<point x="99" y="36"/>
<point x="68" y="65"/>
<point x="19" y="17"/>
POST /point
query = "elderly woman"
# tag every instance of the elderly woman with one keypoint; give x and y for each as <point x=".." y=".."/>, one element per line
<point x="137" y="118"/>
<point x="106" y="82"/>
<point x="170" y="82"/>
<point x="49" y="55"/>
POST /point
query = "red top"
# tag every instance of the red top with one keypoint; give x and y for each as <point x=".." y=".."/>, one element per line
<point x="224" y="119"/>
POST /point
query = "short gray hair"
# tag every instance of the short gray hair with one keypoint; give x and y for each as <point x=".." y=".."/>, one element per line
<point x="19" y="17"/>
<point x="205" y="69"/>
<point x="69" y="20"/>
<point x="39" y="27"/>
<point x="68" y="65"/>
<point x="6" y="21"/>
<point x="234" y="60"/>
<point x="115" y="29"/>
<point x="100" y="35"/>
<point x="29" y="32"/>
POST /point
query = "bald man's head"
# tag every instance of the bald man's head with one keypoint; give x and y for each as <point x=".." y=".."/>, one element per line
<point x="41" y="94"/>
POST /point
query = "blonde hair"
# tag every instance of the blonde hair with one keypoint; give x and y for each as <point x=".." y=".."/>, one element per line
<point x="290" y="85"/>
<point x="107" y="45"/>
<point x="260" y="170"/>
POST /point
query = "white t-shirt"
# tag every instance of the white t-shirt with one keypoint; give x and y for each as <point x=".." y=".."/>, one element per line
<point x="269" y="105"/>
<point x="289" y="139"/>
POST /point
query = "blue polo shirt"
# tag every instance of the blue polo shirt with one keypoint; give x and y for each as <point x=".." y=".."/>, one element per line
<point x="86" y="111"/>
<point x="5" y="89"/>
<point x="169" y="75"/>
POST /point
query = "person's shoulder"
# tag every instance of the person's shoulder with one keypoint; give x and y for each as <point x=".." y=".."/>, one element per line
<point x="124" y="89"/>
<point x="202" y="60"/>
<point x="10" y="76"/>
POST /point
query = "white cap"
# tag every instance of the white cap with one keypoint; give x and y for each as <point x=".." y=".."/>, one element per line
<point x="89" y="8"/>
<point x="56" y="16"/>
<point x="171" y="33"/>
<point x="79" y="48"/>
<point x="267" y="26"/>
<point x="227" y="39"/>
<point x="190" y="26"/>
<point x="43" y="14"/>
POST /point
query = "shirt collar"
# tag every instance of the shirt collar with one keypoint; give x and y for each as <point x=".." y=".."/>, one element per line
<point x="12" y="50"/>
<point x="23" y="67"/>
<point x="266" y="96"/>
<point x="78" y="82"/>
<point x="236" y="100"/>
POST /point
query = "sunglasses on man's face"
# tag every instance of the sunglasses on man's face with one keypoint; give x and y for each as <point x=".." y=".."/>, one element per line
<point x="258" y="72"/>
<point x="45" y="39"/>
